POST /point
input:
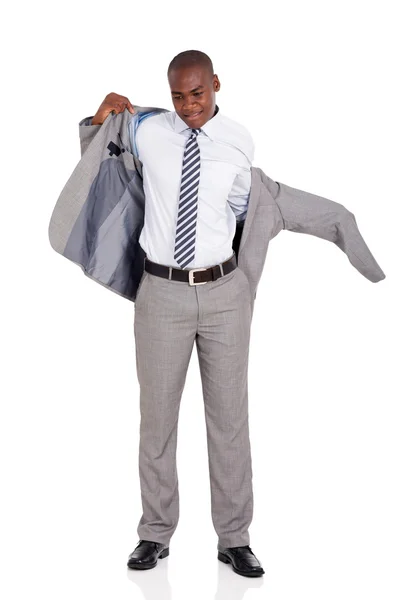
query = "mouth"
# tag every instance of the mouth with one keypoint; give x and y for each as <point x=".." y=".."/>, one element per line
<point x="193" y="115"/>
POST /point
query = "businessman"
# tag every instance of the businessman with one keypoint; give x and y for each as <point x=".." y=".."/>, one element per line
<point x="196" y="178"/>
<point x="166" y="209"/>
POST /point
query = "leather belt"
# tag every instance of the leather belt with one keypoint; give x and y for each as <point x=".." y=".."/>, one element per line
<point x="192" y="276"/>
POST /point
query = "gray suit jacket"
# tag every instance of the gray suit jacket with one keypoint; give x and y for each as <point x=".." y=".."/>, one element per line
<point x="99" y="215"/>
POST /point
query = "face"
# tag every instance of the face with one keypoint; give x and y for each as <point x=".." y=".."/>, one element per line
<point x="193" y="94"/>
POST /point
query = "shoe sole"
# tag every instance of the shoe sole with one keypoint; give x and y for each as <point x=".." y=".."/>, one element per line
<point x="223" y="558"/>
<point x="142" y="567"/>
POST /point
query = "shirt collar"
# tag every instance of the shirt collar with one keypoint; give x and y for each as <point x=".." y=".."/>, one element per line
<point x="210" y="128"/>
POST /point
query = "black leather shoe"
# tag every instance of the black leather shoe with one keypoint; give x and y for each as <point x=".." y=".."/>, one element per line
<point x="146" y="553"/>
<point x="243" y="560"/>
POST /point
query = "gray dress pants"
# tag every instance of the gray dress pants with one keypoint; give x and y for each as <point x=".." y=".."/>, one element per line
<point x="169" y="317"/>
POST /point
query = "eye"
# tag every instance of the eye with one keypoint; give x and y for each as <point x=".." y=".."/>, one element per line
<point x="198" y="93"/>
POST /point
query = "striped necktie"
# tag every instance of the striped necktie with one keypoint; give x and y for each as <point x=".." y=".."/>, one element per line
<point x="187" y="211"/>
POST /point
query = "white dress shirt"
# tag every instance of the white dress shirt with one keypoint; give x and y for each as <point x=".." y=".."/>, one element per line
<point x="226" y="155"/>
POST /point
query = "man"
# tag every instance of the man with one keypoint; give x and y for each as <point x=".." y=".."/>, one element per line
<point x="196" y="179"/>
<point x="179" y="182"/>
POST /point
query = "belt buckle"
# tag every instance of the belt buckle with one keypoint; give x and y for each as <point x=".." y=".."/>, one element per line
<point x="191" y="280"/>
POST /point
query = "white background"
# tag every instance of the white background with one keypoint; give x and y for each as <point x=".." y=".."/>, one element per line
<point x="316" y="83"/>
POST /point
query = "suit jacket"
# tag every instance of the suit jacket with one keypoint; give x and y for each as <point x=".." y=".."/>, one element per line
<point x="99" y="215"/>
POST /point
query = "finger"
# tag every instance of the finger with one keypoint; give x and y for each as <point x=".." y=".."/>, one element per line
<point x="127" y="104"/>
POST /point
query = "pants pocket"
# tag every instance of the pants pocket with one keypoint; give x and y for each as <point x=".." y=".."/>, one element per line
<point x="144" y="276"/>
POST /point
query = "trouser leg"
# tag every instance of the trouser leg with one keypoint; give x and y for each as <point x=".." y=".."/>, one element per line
<point x="165" y="327"/>
<point x="223" y="350"/>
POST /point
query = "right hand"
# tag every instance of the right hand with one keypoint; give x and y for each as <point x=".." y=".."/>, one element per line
<point x="112" y="102"/>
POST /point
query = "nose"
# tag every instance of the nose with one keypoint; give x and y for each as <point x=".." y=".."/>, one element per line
<point x="190" y="107"/>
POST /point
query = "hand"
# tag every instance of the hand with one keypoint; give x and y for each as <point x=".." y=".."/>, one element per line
<point x="111" y="103"/>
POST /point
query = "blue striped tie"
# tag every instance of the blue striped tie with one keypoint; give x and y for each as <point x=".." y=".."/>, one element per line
<point x="187" y="211"/>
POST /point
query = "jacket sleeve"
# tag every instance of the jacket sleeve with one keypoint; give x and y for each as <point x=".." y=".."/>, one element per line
<point x="87" y="131"/>
<point x="308" y="213"/>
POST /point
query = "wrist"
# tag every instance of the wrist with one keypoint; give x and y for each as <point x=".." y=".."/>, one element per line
<point x="97" y="120"/>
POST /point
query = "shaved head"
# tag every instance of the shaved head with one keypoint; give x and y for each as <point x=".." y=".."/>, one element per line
<point x="190" y="59"/>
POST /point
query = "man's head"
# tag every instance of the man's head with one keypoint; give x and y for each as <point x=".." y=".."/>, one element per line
<point x="193" y="86"/>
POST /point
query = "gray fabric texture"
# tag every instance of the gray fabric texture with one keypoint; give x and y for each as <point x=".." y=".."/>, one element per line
<point x="99" y="215"/>
<point x="170" y="317"/>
